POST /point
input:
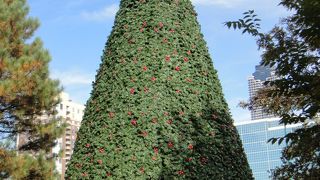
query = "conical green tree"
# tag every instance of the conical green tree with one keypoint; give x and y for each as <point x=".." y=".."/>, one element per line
<point x="157" y="110"/>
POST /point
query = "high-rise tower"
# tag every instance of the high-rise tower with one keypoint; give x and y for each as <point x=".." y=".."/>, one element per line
<point x="256" y="82"/>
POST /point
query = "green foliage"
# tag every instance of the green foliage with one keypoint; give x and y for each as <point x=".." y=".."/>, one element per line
<point x="27" y="94"/>
<point x="24" y="166"/>
<point x="249" y="23"/>
<point x="293" y="48"/>
<point x="157" y="110"/>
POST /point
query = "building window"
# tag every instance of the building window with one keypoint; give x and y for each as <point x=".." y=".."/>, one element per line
<point x="67" y="110"/>
<point x="61" y="106"/>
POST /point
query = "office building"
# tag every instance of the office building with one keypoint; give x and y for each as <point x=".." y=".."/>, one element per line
<point x="256" y="82"/>
<point x="263" y="156"/>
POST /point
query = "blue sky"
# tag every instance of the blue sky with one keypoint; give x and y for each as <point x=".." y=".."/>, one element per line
<point x="75" y="32"/>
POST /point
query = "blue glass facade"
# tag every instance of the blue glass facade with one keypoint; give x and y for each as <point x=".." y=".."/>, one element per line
<point x="262" y="156"/>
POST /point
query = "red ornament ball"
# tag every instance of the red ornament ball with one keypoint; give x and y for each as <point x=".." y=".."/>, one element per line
<point x="142" y="170"/>
<point x="170" y="144"/>
<point x="144" y="24"/>
<point x="154" y="120"/>
<point x="146" y="89"/>
<point x="101" y="150"/>
<point x="145" y="68"/>
<point x="134" y="122"/>
<point x="168" y="58"/>
<point x="155" y="150"/>
<point x="165" y="40"/>
<point x="144" y="133"/>
<point x="132" y="90"/>
<point x="111" y="114"/>
<point x="160" y="24"/>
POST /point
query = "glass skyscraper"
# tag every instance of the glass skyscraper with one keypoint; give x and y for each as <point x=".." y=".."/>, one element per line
<point x="263" y="156"/>
<point x="255" y="82"/>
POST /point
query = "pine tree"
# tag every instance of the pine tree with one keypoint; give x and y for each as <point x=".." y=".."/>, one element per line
<point x="157" y="110"/>
<point x="27" y="95"/>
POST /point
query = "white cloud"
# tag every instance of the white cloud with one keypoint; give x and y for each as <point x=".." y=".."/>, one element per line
<point x="73" y="77"/>
<point x="79" y="95"/>
<point x="76" y="82"/>
<point x="223" y="3"/>
<point x="101" y="15"/>
<point x="264" y="5"/>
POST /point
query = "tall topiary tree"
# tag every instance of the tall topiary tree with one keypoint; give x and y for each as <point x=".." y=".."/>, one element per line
<point x="157" y="110"/>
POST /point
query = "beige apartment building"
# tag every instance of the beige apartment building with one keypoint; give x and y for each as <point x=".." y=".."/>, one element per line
<point x="71" y="113"/>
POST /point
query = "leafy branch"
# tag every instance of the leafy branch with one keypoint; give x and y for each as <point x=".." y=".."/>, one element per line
<point x="249" y="23"/>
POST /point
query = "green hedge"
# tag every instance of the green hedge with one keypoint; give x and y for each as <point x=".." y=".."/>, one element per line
<point x="157" y="109"/>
